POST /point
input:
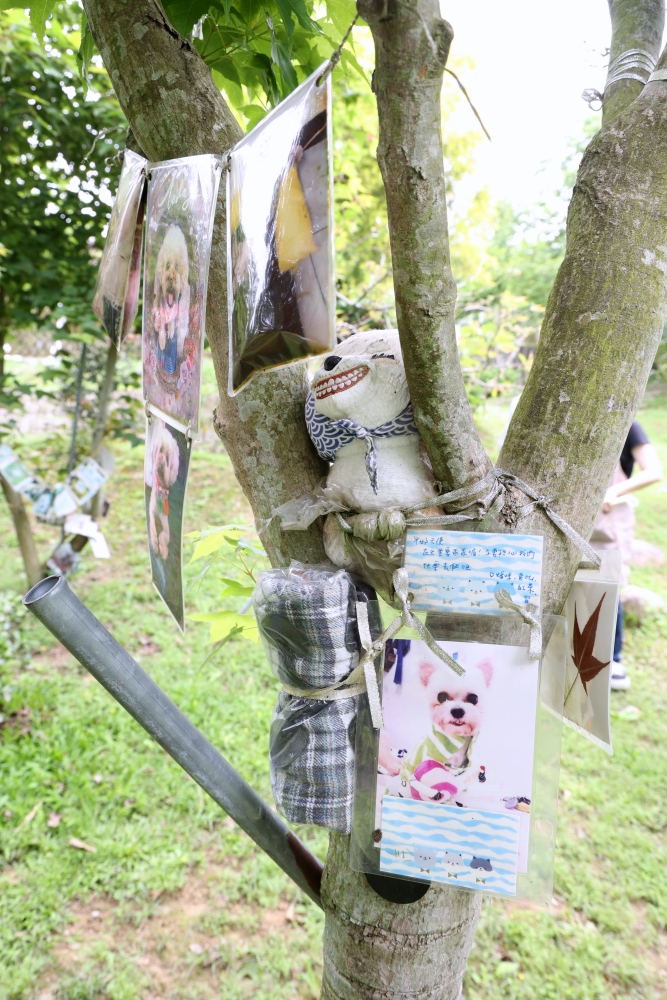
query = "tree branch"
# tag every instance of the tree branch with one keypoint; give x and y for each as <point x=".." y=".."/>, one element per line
<point x="635" y="24"/>
<point x="411" y="48"/>
<point x="174" y="109"/>
<point x="601" y="329"/>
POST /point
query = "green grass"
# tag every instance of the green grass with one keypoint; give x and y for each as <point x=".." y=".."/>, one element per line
<point x="176" y="902"/>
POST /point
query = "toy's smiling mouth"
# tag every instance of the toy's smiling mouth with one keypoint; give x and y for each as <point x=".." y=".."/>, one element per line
<point x="332" y="384"/>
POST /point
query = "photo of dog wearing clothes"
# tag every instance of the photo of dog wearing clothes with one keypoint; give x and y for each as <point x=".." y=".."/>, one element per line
<point x="179" y="218"/>
<point x="165" y="477"/>
<point x="459" y="741"/>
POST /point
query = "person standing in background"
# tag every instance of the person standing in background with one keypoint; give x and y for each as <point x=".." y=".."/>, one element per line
<point x="615" y="524"/>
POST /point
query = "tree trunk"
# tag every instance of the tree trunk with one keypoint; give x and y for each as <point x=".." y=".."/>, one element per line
<point x="22" y="526"/>
<point x="635" y="25"/>
<point x="411" y="49"/>
<point x="600" y="333"/>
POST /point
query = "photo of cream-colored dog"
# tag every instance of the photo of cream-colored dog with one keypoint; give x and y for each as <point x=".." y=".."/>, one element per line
<point x="171" y="299"/>
<point x="165" y="463"/>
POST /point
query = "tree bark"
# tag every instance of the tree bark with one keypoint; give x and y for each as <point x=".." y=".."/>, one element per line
<point x="635" y="24"/>
<point x="373" y="948"/>
<point x="411" y="48"/>
<point x="23" y="528"/>
<point x="602" y="326"/>
<point x="176" y="110"/>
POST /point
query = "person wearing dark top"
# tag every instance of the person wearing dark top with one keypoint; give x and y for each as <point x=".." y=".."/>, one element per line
<point x="616" y="520"/>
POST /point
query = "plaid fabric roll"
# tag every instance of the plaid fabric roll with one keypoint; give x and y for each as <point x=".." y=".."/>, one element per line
<point x="307" y="621"/>
<point x="312" y="760"/>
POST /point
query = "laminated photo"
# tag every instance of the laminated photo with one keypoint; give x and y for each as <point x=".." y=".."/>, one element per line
<point x="87" y="479"/>
<point x="17" y="475"/>
<point x="591" y="610"/>
<point x="182" y="196"/>
<point x="281" y="294"/>
<point x="116" y="296"/>
<point x="166" y="466"/>
<point x="455" y="763"/>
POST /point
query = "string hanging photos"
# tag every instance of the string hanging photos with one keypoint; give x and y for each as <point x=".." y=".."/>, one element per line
<point x="116" y="296"/>
<point x="280" y="280"/>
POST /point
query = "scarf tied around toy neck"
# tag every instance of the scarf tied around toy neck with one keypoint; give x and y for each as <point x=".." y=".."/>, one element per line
<point x="329" y="435"/>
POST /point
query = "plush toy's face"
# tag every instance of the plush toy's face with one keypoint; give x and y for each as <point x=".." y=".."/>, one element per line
<point x="364" y="380"/>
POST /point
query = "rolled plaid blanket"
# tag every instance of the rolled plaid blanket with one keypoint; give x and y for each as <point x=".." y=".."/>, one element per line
<point x="307" y="620"/>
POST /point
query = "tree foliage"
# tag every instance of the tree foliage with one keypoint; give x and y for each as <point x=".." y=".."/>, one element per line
<point x="55" y="188"/>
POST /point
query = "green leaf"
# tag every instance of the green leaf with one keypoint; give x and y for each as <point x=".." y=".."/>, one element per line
<point x="235" y="589"/>
<point x="223" y="622"/>
<point x="212" y="539"/>
<point x="86" y="49"/>
<point x="254" y="113"/>
<point x="349" y="59"/>
<point x="286" y="14"/>
<point x="303" y="17"/>
<point x="184" y="14"/>
<point x="10" y="5"/>
<point x="40" y="11"/>
<point x="341" y="13"/>
<point x="233" y="92"/>
<point x="281" y="56"/>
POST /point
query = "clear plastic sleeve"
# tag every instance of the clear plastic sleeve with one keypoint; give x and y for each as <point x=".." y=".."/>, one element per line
<point x="281" y="294"/>
<point x="116" y="295"/>
<point x="307" y="622"/>
<point x="425" y="786"/>
<point x="166" y="468"/>
<point x="182" y="196"/>
<point x="591" y="611"/>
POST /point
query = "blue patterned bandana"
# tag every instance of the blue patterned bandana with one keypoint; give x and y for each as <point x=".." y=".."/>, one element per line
<point x="329" y="435"/>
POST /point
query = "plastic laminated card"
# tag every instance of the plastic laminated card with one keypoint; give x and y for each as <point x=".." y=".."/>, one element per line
<point x="591" y="610"/>
<point x="281" y="293"/>
<point x="166" y="466"/>
<point x="460" y="786"/>
<point x="17" y="475"/>
<point x="116" y="296"/>
<point x="182" y="196"/>
<point x="461" y="571"/>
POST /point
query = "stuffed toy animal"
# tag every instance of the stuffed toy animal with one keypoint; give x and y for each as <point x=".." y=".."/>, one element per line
<point x="360" y="418"/>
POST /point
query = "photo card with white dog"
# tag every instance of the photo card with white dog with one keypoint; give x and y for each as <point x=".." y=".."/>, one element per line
<point x="281" y="291"/>
<point x="182" y="196"/>
<point x="116" y="296"/>
<point x="463" y="747"/>
<point x="166" y="466"/>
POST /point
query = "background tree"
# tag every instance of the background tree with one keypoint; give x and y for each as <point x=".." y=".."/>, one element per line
<point x="601" y="328"/>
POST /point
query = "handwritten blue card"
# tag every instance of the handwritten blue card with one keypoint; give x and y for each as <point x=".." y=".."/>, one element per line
<point x="471" y="848"/>
<point x="462" y="570"/>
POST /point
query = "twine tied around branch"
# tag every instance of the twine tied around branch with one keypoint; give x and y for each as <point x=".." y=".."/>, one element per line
<point x="527" y="612"/>
<point x="335" y="56"/>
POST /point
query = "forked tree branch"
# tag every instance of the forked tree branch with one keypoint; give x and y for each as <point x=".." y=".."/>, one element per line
<point x="636" y="25"/>
<point x="411" y="47"/>
<point x="174" y="109"/>
<point x="601" y="329"/>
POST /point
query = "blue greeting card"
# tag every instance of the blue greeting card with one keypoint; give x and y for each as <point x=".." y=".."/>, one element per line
<point x="462" y="570"/>
<point x="471" y="848"/>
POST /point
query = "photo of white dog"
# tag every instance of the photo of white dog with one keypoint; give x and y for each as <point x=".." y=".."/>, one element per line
<point x="165" y="475"/>
<point x="459" y="740"/>
<point x="180" y="208"/>
<point x="171" y="300"/>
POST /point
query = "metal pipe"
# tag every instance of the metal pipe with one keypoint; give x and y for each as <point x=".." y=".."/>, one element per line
<point x="70" y="621"/>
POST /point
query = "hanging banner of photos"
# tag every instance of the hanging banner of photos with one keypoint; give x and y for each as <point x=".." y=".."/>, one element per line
<point x="280" y="260"/>
<point x="116" y="296"/>
<point x="182" y="195"/>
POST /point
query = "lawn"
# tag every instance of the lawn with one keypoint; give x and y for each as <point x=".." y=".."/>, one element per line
<point x="173" y="901"/>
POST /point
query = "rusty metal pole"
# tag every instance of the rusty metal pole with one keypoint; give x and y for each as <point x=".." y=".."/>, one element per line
<point x="60" y="610"/>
